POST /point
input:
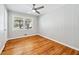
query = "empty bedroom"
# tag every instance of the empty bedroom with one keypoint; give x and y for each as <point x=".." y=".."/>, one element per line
<point x="39" y="29"/>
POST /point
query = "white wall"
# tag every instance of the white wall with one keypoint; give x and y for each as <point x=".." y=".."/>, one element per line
<point x="62" y="24"/>
<point x="18" y="33"/>
<point x="3" y="26"/>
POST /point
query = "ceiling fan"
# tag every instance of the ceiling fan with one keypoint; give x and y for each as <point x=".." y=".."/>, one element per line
<point x="35" y="9"/>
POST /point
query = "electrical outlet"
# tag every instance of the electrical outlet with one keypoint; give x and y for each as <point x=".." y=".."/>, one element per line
<point x="25" y="34"/>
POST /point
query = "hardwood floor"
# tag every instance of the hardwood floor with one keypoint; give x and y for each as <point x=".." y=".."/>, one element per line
<point x="36" y="45"/>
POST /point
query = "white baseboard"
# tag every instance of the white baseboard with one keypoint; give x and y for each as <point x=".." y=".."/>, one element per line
<point x="60" y="42"/>
<point x="2" y="47"/>
<point x="14" y="38"/>
<point x="22" y="36"/>
<point x="48" y="38"/>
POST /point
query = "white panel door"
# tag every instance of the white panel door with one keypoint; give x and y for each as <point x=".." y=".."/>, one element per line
<point x="3" y="26"/>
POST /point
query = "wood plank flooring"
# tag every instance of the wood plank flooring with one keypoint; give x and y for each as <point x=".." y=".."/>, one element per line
<point x="36" y="45"/>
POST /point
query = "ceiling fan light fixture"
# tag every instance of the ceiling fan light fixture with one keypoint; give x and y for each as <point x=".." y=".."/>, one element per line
<point x="33" y="10"/>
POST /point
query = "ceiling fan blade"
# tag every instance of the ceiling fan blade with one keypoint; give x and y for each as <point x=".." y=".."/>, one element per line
<point x="39" y="7"/>
<point x="37" y="12"/>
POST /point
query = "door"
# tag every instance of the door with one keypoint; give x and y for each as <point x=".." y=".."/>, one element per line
<point x="3" y="26"/>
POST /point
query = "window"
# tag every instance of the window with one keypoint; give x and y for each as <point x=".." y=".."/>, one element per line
<point x="22" y="23"/>
<point x="28" y="23"/>
<point x="18" y="23"/>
